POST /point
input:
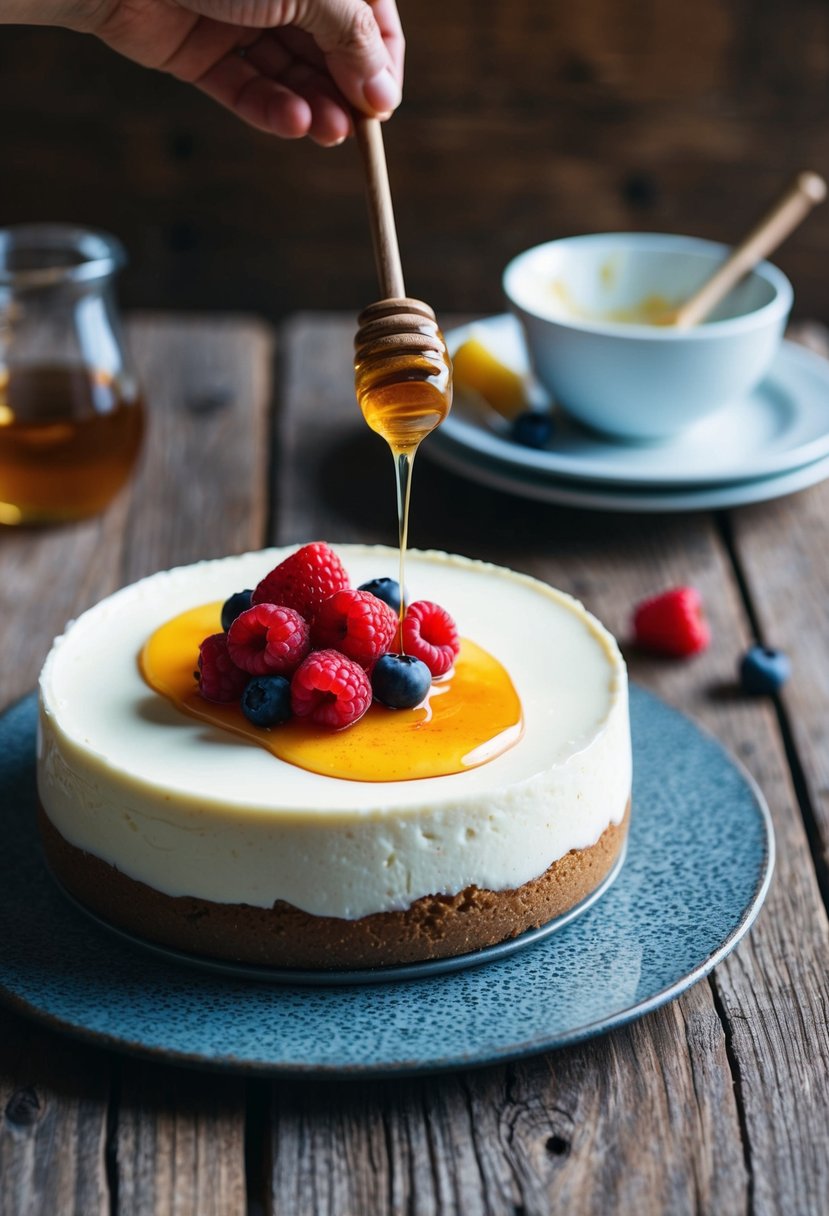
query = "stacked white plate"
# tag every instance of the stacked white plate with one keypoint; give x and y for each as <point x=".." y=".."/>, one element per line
<point x="773" y="442"/>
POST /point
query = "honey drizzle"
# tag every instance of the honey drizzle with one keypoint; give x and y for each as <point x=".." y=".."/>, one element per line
<point x="403" y="378"/>
<point x="403" y="462"/>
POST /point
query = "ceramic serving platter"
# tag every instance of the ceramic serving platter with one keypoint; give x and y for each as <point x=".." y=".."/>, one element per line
<point x="698" y="866"/>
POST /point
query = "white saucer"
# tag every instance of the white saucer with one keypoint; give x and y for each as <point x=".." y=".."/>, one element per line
<point x="782" y="426"/>
<point x="599" y="497"/>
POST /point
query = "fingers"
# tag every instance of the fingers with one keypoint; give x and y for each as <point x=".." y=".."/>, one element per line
<point x="264" y="103"/>
<point x="361" y="40"/>
<point x="366" y="68"/>
<point x="267" y="86"/>
<point x="277" y="58"/>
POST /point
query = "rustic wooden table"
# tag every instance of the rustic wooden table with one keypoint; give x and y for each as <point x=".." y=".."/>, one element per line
<point x="718" y="1102"/>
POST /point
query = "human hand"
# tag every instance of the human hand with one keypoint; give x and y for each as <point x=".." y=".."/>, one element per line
<point x="288" y="67"/>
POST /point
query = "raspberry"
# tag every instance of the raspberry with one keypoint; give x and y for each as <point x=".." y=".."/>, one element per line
<point x="430" y="634"/>
<point x="268" y="640"/>
<point x="330" y="689"/>
<point x="218" y="676"/>
<point x="672" y="623"/>
<point x="356" y="623"/>
<point x="303" y="580"/>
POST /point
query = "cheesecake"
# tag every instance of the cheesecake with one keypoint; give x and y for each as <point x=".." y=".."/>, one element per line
<point x="197" y="836"/>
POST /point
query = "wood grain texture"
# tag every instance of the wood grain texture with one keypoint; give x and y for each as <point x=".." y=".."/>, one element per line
<point x="568" y="1132"/>
<point x="53" y="1123"/>
<point x="180" y="1143"/>
<point x="782" y="556"/>
<point x="785" y="562"/>
<point x="520" y="122"/>
<point x="200" y="492"/>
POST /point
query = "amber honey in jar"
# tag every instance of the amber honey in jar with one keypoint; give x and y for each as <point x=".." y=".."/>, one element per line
<point x="71" y="417"/>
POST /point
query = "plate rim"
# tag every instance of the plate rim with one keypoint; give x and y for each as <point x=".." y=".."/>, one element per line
<point x="595" y="496"/>
<point x="465" y="433"/>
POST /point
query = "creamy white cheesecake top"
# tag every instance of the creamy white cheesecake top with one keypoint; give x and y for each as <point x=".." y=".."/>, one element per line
<point x="192" y="810"/>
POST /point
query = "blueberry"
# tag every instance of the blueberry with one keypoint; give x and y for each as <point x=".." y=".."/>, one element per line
<point x="400" y="680"/>
<point x="763" y="670"/>
<point x="386" y="589"/>
<point x="533" y="429"/>
<point x="266" y="700"/>
<point x="238" y="603"/>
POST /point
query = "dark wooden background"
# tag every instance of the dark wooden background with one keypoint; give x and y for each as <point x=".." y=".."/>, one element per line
<point x="521" y="121"/>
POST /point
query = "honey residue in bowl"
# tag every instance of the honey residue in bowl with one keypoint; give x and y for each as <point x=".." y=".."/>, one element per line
<point x="653" y="309"/>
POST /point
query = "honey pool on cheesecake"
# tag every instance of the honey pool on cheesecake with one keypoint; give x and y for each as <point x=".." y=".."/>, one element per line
<point x="469" y="717"/>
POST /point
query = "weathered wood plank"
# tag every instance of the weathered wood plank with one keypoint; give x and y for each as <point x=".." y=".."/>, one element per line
<point x="49" y="577"/>
<point x="200" y="492"/>
<point x="560" y="1133"/>
<point x="53" y="1124"/>
<point x="665" y="1081"/>
<point x="180" y="1143"/>
<point x="782" y="551"/>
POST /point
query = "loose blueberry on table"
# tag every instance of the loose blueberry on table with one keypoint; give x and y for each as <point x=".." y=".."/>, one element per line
<point x="764" y="670"/>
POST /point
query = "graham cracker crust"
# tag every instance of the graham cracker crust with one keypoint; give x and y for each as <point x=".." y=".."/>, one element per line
<point x="436" y="926"/>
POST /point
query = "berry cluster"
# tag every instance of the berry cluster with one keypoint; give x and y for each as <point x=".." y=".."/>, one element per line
<point x="305" y="644"/>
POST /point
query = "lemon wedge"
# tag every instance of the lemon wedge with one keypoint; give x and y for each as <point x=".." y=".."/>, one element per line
<point x="478" y="370"/>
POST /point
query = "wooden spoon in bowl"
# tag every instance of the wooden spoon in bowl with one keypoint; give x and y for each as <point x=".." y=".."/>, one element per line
<point x="802" y="194"/>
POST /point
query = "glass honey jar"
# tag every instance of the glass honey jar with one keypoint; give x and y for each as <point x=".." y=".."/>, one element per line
<point x="71" y="415"/>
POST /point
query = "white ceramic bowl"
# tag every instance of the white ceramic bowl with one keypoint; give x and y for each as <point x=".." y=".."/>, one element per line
<point x="585" y="301"/>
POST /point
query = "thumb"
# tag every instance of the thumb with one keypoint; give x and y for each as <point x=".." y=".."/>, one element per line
<point x="347" y="33"/>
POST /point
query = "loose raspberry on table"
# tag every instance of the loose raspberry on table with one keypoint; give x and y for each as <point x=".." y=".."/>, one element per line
<point x="356" y="623"/>
<point x="218" y="676"/>
<point x="304" y="580"/>
<point x="430" y="634"/>
<point x="672" y="623"/>
<point x="330" y="689"/>
<point x="269" y="639"/>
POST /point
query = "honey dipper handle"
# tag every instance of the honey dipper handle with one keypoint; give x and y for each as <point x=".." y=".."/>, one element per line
<point x="381" y="213"/>
<point x="791" y="208"/>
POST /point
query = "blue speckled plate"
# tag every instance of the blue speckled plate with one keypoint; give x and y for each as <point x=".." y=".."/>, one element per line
<point x="699" y="862"/>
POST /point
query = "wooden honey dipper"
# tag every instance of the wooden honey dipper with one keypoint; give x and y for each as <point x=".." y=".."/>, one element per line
<point x="402" y="368"/>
